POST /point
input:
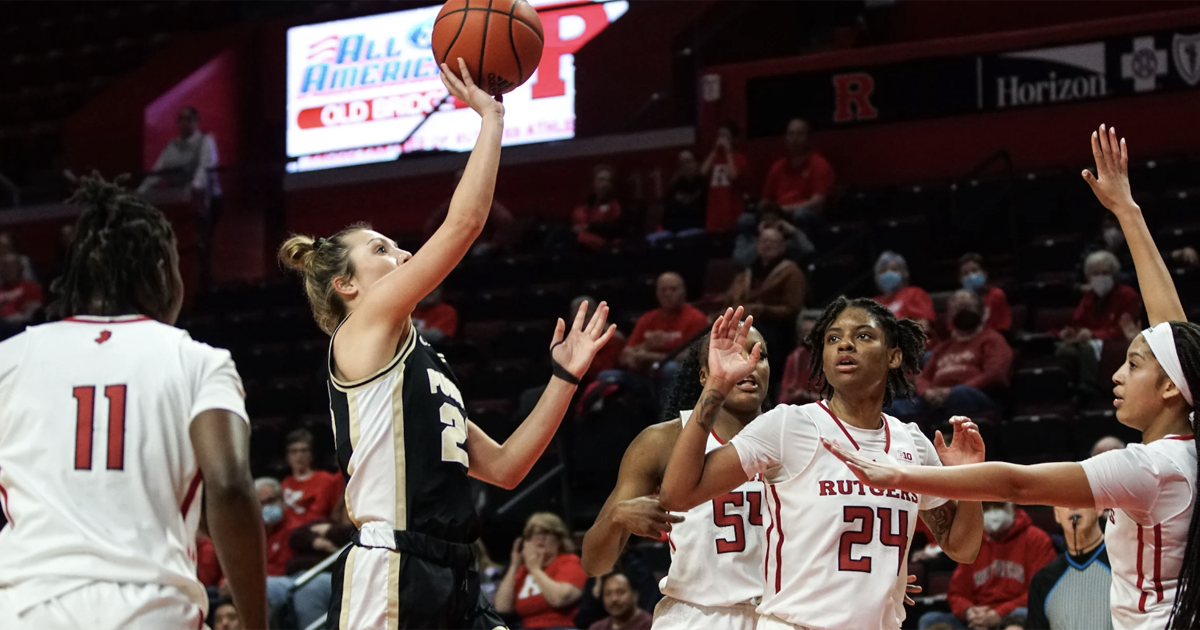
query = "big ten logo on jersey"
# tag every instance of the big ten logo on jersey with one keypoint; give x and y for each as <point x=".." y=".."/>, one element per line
<point x="454" y="429"/>
<point x="734" y="510"/>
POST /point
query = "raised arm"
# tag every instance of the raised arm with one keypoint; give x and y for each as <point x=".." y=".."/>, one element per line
<point x="397" y="294"/>
<point x="221" y="441"/>
<point x="506" y="465"/>
<point x="631" y="509"/>
<point x="1059" y="484"/>
<point x="692" y="477"/>
<point x="1111" y="185"/>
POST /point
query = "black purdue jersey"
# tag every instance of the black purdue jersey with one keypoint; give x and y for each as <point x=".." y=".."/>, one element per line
<point x="401" y="438"/>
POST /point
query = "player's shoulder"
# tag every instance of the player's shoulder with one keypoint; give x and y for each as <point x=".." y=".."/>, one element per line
<point x="658" y="436"/>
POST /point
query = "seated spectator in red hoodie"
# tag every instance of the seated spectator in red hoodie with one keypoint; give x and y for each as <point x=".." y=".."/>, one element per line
<point x="974" y="277"/>
<point x="599" y="221"/>
<point x="901" y="298"/>
<point x="308" y="494"/>
<point x="663" y="329"/>
<point x="436" y="320"/>
<point x="725" y="168"/>
<point x="802" y="181"/>
<point x="973" y="361"/>
<point x="996" y="585"/>
<point x="797" y="372"/>
<point x="1108" y="312"/>
<point x="19" y="298"/>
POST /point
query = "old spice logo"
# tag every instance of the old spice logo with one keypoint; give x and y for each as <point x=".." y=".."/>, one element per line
<point x="105" y="335"/>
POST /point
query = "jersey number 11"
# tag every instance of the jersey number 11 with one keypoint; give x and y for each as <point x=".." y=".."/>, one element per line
<point x="85" y="411"/>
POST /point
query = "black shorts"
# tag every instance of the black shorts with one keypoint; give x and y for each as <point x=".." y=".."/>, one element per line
<point x="425" y="584"/>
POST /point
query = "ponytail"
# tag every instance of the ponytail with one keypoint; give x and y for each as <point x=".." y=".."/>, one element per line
<point x="319" y="262"/>
<point x="1185" y="614"/>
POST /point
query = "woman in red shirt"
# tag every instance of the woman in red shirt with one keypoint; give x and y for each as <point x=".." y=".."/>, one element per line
<point x="545" y="579"/>
<point x="599" y="221"/>
<point x="974" y="277"/>
<point x="723" y="167"/>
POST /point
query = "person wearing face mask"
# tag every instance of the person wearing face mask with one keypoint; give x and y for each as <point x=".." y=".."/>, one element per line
<point x="1073" y="590"/>
<point x="996" y="585"/>
<point x="974" y="277"/>
<point x="964" y="368"/>
<point x="1108" y="312"/>
<point x="311" y="600"/>
<point x="901" y="298"/>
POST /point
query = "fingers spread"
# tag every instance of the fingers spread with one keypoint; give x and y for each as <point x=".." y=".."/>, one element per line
<point x="938" y="440"/>
<point x="580" y="313"/>
<point x="559" y="330"/>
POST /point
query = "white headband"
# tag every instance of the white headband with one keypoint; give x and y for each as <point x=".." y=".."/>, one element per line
<point x="1161" y="340"/>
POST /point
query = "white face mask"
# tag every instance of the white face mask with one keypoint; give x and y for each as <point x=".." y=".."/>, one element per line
<point x="997" y="520"/>
<point x="1101" y="285"/>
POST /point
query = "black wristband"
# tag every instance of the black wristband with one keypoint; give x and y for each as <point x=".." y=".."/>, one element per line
<point x="557" y="368"/>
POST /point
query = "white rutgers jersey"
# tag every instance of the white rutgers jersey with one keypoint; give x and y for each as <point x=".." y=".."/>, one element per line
<point x="98" y="477"/>
<point x="717" y="551"/>
<point x="1151" y="490"/>
<point x="836" y="551"/>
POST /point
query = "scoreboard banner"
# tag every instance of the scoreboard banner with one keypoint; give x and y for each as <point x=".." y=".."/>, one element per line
<point x="357" y="88"/>
<point x="938" y="87"/>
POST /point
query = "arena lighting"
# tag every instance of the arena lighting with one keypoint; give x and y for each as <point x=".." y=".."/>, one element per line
<point x="365" y="89"/>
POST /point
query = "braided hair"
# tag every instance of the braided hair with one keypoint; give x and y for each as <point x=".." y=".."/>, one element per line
<point x="686" y="392"/>
<point x="123" y="259"/>
<point x="898" y="333"/>
<point x="1186" y="611"/>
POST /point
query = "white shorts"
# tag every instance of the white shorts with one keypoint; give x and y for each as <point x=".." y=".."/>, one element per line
<point x="674" y="614"/>
<point x="106" y="606"/>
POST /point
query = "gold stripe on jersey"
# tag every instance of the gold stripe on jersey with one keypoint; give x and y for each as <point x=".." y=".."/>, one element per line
<point x="347" y="586"/>
<point x="406" y="348"/>
<point x="399" y="452"/>
<point x="352" y="412"/>
<point x="393" y="590"/>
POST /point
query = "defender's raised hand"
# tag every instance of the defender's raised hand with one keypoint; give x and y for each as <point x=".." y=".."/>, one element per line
<point x="727" y="360"/>
<point x="576" y="351"/>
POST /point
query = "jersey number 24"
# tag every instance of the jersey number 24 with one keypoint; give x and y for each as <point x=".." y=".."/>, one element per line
<point x="85" y="412"/>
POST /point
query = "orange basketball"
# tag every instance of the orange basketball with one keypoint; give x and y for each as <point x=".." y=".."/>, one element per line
<point x="500" y="41"/>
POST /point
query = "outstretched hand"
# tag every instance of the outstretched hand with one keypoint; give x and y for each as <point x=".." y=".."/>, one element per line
<point x="727" y="360"/>
<point x="466" y="90"/>
<point x="966" y="447"/>
<point x="874" y="474"/>
<point x="1111" y="181"/>
<point x="576" y="351"/>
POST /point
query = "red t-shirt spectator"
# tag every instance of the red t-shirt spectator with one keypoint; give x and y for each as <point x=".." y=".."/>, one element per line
<point x="909" y="303"/>
<point x="725" y="202"/>
<point x="531" y="604"/>
<point x="667" y="332"/>
<point x="1102" y="316"/>
<point x="16" y="296"/>
<point x="596" y="224"/>
<point x="279" y="551"/>
<point x="796" y="374"/>
<point x="313" y="498"/>
<point x="999" y="577"/>
<point x="996" y="314"/>
<point x="208" y="568"/>
<point x="787" y="184"/>
<point x="982" y="361"/>
<point x="440" y="316"/>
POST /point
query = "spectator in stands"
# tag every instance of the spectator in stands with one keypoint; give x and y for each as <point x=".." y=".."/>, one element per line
<point x="798" y="247"/>
<point x="621" y="604"/>
<point x="545" y="579"/>
<point x="1106" y="444"/>
<point x="187" y="163"/>
<point x="308" y="494"/>
<point x="9" y="246"/>
<point x="225" y="616"/>
<point x="599" y="220"/>
<point x="982" y="593"/>
<point x="499" y="233"/>
<point x="1072" y="591"/>
<point x="609" y="356"/>
<point x="315" y="541"/>
<point x="773" y="291"/>
<point x="1108" y="311"/>
<point x="1112" y="240"/>
<point x="490" y="572"/>
<point x="901" y="298"/>
<point x="663" y="329"/>
<point x="312" y="600"/>
<point x="20" y="299"/>
<point x="436" y="320"/>
<point x="801" y="181"/>
<point x="685" y="199"/>
<point x="974" y="277"/>
<point x="724" y="168"/>
<point x="796" y="388"/>
<point x="963" y="369"/>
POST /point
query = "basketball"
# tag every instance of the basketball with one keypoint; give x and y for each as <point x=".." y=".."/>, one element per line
<point x="500" y="41"/>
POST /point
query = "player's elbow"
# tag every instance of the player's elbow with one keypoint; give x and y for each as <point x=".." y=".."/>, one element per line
<point x="593" y="564"/>
<point x="963" y="553"/>
<point x="673" y="502"/>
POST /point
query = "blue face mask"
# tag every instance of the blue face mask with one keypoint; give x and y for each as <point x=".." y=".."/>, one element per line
<point x="889" y="281"/>
<point x="974" y="281"/>
<point x="272" y="513"/>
